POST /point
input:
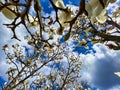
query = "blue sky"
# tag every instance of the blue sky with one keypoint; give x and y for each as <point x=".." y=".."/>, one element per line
<point x="99" y="62"/>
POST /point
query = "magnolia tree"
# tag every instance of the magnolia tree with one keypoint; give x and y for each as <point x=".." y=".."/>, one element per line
<point x="54" y="66"/>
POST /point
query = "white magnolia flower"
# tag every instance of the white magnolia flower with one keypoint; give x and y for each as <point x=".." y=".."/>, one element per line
<point x="93" y="8"/>
<point x="86" y="46"/>
<point x="89" y="89"/>
<point x="59" y="3"/>
<point x="63" y="16"/>
<point x="80" y="86"/>
<point x="29" y="18"/>
<point x="82" y="43"/>
<point x="117" y="73"/>
<point x="37" y="33"/>
<point x="40" y="74"/>
<point x="46" y="87"/>
<point x="66" y="16"/>
<point x="33" y="21"/>
<point x="34" y="24"/>
<point x="26" y="82"/>
<point x="96" y="11"/>
<point x="27" y="62"/>
<point x="101" y="18"/>
<point x="8" y="11"/>
<point x="5" y="47"/>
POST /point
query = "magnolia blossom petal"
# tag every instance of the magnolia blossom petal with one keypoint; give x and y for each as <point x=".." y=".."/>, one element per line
<point x="34" y="25"/>
<point x="88" y="9"/>
<point x="33" y="22"/>
<point x="94" y="8"/>
<point x="92" y="2"/>
<point x="102" y="17"/>
<point x="67" y="17"/>
<point x="117" y="73"/>
<point x="8" y="13"/>
<point x="29" y="18"/>
<point x="59" y="3"/>
<point x="5" y="47"/>
<point x="112" y="1"/>
<point x="96" y="11"/>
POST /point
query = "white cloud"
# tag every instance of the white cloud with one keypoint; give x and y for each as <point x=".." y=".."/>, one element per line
<point x="98" y="68"/>
<point x="117" y="87"/>
<point x="3" y="69"/>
